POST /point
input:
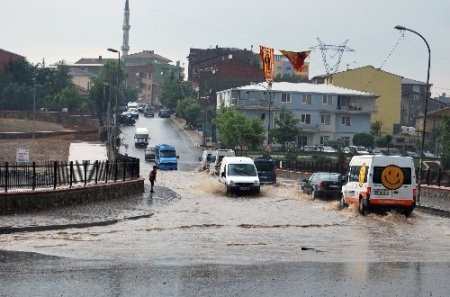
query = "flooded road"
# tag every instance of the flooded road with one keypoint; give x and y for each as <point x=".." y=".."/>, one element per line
<point x="161" y="130"/>
<point x="205" y="243"/>
<point x="277" y="244"/>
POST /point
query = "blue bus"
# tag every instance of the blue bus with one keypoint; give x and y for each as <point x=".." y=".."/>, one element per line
<point x="166" y="157"/>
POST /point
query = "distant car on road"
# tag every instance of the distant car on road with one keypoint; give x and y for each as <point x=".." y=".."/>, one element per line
<point x="149" y="112"/>
<point x="164" y="113"/>
<point x="323" y="185"/>
<point x="267" y="171"/>
<point x="134" y="112"/>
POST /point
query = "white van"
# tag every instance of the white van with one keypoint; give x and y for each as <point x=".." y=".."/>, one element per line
<point x="141" y="137"/>
<point x="239" y="174"/>
<point x="380" y="181"/>
<point x="218" y="156"/>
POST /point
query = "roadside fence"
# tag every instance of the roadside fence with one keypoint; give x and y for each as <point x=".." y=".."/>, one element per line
<point x="30" y="176"/>
<point x="298" y="169"/>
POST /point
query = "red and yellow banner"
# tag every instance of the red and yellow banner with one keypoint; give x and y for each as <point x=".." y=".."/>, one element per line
<point x="297" y="59"/>
<point x="266" y="54"/>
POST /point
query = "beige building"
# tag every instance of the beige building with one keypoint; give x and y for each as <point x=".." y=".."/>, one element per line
<point x="386" y="85"/>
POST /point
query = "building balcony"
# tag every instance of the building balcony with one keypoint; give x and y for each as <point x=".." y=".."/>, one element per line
<point x="357" y="109"/>
<point x="250" y="103"/>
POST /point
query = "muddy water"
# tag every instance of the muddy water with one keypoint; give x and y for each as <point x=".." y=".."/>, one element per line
<point x="281" y="224"/>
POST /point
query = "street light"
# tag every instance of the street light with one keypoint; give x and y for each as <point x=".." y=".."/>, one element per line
<point x="269" y="90"/>
<point x="117" y="96"/>
<point x="425" y="109"/>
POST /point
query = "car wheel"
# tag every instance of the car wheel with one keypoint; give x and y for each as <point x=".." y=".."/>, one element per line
<point x="228" y="190"/>
<point x="408" y="211"/>
<point x="363" y="206"/>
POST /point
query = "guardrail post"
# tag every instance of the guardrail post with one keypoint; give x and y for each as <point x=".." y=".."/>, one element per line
<point x="439" y="177"/>
<point x="71" y="174"/>
<point x="116" y="170"/>
<point x="6" y="176"/>
<point x="85" y="172"/>
<point x="55" y="174"/>
<point x="33" y="186"/>
<point x="96" y="170"/>
<point x="124" y="168"/>
<point x="106" y="171"/>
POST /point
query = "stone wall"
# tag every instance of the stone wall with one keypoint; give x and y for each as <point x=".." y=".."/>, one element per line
<point x="21" y="202"/>
<point x="63" y="118"/>
<point x="435" y="197"/>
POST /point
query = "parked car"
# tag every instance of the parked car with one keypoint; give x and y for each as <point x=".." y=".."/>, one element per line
<point x="323" y="185"/>
<point x="164" y="113"/>
<point x="149" y="112"/>
<point x="149" y="154"/>
<point x="427" y="154"/>
<point x="412" y="154"/>
<point x="126" y="119"/>
<point x="267" y="171"/>
<point x="328" y="149"/>
<point x="346" y="150"/>
<point x="134" y="112"/>
<point x="309" y="148"/>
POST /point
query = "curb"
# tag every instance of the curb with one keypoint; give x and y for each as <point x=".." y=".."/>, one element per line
<point x="434" y="211"/>
<point x="9" y="230"/>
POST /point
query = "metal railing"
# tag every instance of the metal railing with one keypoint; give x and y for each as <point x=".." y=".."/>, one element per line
<point x="430" y="177"/>
<point x="30" y="176"/>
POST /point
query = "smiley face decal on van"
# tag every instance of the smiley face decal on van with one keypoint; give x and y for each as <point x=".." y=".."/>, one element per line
<point x="392" y="177"/>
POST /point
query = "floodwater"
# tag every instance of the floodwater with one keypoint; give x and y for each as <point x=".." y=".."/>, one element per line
<point x="280" y="225"/>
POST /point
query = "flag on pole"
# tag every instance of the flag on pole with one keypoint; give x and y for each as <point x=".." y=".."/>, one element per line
<point x="266" y="54"/>
<point x="297" y="59"/>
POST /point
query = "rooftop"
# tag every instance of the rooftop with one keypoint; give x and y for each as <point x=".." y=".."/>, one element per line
<point x="305" y="88"/>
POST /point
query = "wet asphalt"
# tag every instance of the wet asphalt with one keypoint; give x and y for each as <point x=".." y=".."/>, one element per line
<point x="99" y="213"/>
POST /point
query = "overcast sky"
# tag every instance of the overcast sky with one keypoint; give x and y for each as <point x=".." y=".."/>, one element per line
<point x="57" y="30"/>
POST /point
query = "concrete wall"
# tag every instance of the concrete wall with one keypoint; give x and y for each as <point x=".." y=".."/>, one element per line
<point x="21" y="202"/>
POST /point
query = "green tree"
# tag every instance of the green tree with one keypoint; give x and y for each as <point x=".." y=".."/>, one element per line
<point x="385" y="141"/>
<point x="104" y="90"/>
<point x="286" y="128"/>
<point x="174" y="88"/>
<point x="363" y="139"/>
<point x="68" y="98"/>
<point x="236" y="130"/>
<point x="375" y="128"/>
<point x="190" y="110"/>
<point x="445" y="142"/>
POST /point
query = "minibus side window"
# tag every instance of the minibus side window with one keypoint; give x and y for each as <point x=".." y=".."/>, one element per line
<point x="353" y="174"/>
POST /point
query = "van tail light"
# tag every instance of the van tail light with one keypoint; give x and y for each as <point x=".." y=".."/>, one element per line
<point x="369" y="190"/>
<point x="414" y="194"/>
<point x="322" y="186"/>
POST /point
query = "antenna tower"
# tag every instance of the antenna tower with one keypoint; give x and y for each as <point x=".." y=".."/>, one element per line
<point x="336" y="54"/>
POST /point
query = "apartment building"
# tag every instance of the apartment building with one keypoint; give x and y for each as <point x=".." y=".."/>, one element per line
<point x="326" y="112"/>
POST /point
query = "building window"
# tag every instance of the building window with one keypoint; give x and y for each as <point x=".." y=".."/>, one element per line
<point x="344" y="101"/>
<point x="305" y="118"/>
<point x="306" y="99"/>
<point x="416" y="89"/>
<point x="327" y="100"/>
<point x="347" y="121"/>
<point x="324" y="139"/>
<point x="325" y="119"/>
<point x="346" y="140"/>
<point x="285" y="98"/>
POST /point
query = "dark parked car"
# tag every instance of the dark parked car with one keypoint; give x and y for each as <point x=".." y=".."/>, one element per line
<point x="126" y="119"/>
<point x="149" y="112"/>
<point x="266" y="171"/>
<point x="164" y="113"/>
<point x="323" y="185"/>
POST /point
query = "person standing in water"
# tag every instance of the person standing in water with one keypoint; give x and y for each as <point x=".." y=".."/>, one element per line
<point x="152" y="178"/>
